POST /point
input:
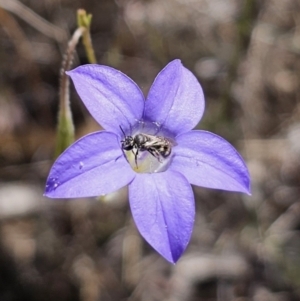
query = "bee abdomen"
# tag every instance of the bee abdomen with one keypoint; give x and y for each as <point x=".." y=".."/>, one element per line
<point x="165" y="151"/>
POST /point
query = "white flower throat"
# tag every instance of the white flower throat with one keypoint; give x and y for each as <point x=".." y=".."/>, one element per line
<point x="145" y="152"/>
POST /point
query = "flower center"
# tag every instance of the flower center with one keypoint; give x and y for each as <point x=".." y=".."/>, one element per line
<point x="148" y="149"/>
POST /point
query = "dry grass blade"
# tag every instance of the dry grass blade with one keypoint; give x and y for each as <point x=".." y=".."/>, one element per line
<point x="34" y="20"/>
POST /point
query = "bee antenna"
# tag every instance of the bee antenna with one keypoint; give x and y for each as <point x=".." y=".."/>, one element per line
<point x="122" y="131"/>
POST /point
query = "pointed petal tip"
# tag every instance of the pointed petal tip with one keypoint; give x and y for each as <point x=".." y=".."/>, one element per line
<point x="245" y="191"/>
<point x="71" y="72"/>
<point x="172" y="261"/>
<point x="49" y="195"/>
<point x="247" y="186"/>
<point x="171" y="258"/>
<point x="176" y="61"/>
<point x="243" y="188"/>
<point x="175" y="259"/>
<point x="249" y="192"/>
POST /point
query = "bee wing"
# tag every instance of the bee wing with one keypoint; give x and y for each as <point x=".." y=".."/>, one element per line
<point x="156" y="141"/>
<point x="172" y="141"/>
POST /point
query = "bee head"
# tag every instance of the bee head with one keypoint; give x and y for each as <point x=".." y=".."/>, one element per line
<point x="127" y="143"/>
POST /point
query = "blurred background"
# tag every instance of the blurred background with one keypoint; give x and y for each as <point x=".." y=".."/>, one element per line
<point x="246" y="54"/>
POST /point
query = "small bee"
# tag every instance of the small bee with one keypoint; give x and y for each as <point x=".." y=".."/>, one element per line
<point x="158" y="146"/>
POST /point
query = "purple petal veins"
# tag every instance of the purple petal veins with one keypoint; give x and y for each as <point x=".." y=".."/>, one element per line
<point x="89" y="168"/>
<point x="162" y="205"/>
<point x="175" y="100"/>
<point x="111" y="97"/>
<point x="208" y="160"/>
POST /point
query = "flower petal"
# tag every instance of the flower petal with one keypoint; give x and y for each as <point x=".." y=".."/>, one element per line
<point x="111" y="97"/>
<point x="162" y="205"/>
<point x="208" y="160"/>
<point x="90" y="167"/>
<point x="175" y="100"/>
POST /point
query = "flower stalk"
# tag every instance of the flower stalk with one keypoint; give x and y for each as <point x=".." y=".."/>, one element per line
<point x="84" y="20"/>
<point x="65" y="127"/>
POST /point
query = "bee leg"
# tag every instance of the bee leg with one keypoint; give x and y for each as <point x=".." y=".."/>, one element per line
<point x="155" y="153"/>
<point x="135" y="158"/>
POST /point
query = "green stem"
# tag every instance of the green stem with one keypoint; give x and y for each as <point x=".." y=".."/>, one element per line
<point x="65" y="126"/>
<point x="84" y="20"/>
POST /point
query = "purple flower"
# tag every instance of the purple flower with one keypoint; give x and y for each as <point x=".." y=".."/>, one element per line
<point x="160" y="193"/>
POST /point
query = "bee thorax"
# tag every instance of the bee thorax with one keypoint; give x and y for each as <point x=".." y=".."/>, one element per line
<point x="158" y="146"/>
